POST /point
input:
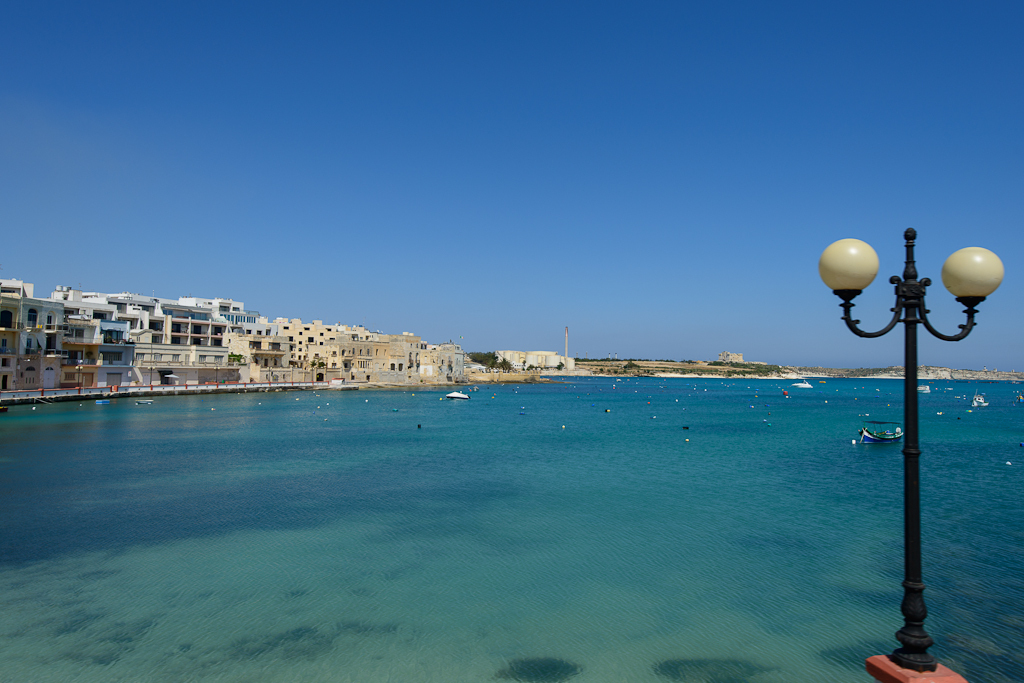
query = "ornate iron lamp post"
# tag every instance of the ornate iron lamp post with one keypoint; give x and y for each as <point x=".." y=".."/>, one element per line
<point x="971" y="274"/>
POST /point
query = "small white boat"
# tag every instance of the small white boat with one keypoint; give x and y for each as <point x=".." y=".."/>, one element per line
<point x="803" y="384"/>
<point x="924" y="389"/>
<point x="457" y="395"/>
<point x="979" y="401"/>
<point x="144" y="402"/>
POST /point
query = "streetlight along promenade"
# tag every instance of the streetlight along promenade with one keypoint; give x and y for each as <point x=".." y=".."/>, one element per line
<point x="848" y="267"/>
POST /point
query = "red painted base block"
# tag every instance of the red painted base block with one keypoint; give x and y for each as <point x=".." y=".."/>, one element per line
<point x="884" y="670"/>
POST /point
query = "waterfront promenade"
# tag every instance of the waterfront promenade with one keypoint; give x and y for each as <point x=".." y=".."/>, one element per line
<point x="147" y="390"/>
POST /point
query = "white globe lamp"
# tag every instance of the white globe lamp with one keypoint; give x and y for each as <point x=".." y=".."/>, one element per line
<point x="848" y="264"/>
<point x="972" y="271"/>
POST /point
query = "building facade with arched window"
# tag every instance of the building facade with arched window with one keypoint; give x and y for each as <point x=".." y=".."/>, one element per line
<point x="30" y="338"/>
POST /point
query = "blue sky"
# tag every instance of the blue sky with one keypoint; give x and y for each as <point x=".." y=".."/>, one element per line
<point x="660" y="177"/>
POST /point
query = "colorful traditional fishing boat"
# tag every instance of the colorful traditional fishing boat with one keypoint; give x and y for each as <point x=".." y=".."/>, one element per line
<point x="874" y="431"/>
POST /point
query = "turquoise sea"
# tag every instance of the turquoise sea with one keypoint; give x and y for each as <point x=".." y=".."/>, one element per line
<point x="638" y="530"/>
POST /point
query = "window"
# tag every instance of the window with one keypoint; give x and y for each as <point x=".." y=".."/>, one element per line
<point x="140" y="356"/>
<point x="203" y="359"/>
<point x="33" y="317"/>
<point x="175" y="357"/>
<point x="111" y="356"/>
<point x="6" y="319"/>
<point x="49" y="318"/>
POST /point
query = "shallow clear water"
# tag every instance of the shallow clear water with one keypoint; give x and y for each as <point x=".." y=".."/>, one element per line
<point x="330" y="539"/>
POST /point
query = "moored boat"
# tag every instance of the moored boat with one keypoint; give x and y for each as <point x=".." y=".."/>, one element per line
<point x="924" y="389"/>
<point x="457" y="395"/>
<point x="875" y="431"/>
<point x="978" y="401"/>
<point x="803" y="384"/>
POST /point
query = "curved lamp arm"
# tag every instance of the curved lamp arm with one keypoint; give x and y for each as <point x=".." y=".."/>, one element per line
<point x="847" y="296"/>
<point x="970" y="302"/>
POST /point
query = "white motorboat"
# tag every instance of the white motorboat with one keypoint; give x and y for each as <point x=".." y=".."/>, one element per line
<point x="924" y="389"/>
<point x="144" y="402"/>
<point x="457" y="395"/>
<point x="803" y="384"/>
<point x="979" y="401"/>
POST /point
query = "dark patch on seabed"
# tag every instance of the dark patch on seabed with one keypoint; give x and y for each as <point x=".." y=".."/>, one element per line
<point x="77" y="621"/>
<point x="304" y="642"/>
<point x="708" y="670"/>
<point x="110" y="643"/>
<point x="539" y="670"/>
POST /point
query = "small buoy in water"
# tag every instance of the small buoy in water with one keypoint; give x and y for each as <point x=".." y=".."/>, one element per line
<point x="318" y="407"/>
<point x="607" y="410"/>
<point x="854" y="442"/>
<point x="1008" y="462"/>
<point x="213" y="409"/>
<point x="419" y="426"/>
<point x="563" y="427"/>
<point x="687" y="441"/>
<point x="677" y="400"/>
<point x="394" y="410"/>
<point x="367" y="400"/>
<point x="33" y="407"/>
<point x="654" y="417"/>
<point x="296" y="399"/>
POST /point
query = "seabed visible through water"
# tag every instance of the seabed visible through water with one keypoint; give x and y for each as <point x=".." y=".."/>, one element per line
<point x="533" y="533"/>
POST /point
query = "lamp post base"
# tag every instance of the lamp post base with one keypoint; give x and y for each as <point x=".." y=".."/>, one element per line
<point x="884" y="670"/>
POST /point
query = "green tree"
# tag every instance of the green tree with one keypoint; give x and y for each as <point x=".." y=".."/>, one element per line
<point x="315" y="363"/>
<point x="488" y="359"/>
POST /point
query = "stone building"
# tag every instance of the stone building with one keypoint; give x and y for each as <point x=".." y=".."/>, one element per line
<point x="30" y="338"/>
<point x="356" y="354"/>
<point x="267" y="357"/>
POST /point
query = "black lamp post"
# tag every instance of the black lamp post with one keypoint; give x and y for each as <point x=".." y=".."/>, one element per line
<point x="971" y="274"/>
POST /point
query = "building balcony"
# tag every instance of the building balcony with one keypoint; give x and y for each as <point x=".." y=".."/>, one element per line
<point x="79" y="341"/>
<point x="268" y="352"/>
<point x="75" y="362"/>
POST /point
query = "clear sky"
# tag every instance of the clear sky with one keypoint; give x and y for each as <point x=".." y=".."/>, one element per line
<point x="660" y="177"/>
